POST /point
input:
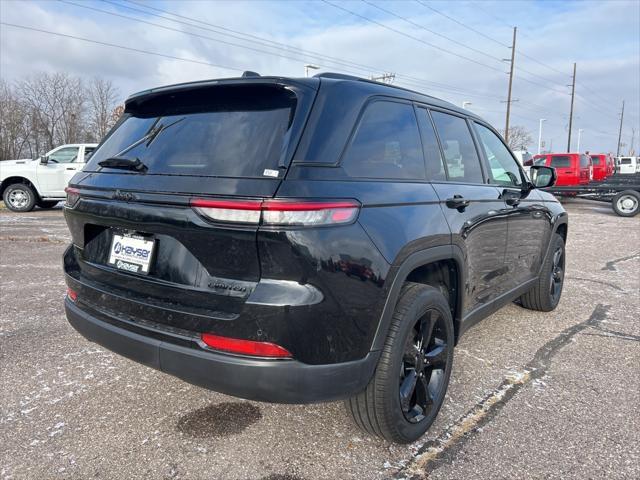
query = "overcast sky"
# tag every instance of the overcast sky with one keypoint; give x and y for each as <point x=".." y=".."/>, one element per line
<point x="603" y="37"/>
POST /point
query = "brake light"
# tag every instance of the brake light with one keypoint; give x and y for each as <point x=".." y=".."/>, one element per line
<point x="73" y="195"/>
<point x="245" y="347"/>
<point x="278" y="212"/>
<point x="72" y="294"/>
<point x="246" y="211"/>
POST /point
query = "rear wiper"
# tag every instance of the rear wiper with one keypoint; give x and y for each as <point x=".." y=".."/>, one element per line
<point x="124" y="163"/>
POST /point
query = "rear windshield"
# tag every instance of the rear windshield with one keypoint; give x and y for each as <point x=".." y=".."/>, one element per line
<point x="625" y="161"/>
<point x="227" y="131"/>
<point x="560" y="161"/>
<point x="596" y="160"/>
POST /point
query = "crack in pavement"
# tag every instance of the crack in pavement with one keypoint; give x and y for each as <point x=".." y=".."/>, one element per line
<point x="611" y="265"/>
<point x="444" y="448"/>
<point x="601" y="282"/>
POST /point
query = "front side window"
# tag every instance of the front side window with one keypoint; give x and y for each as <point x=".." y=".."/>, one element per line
<point x="64" y="155"/>
<point x="386" y="144"/>
<point x="459" y="150"/>
<point x="504" y="169"/>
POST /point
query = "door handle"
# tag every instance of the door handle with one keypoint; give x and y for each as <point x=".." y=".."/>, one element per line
<point x="458" y="202"/>
<point x="71" y="168"/>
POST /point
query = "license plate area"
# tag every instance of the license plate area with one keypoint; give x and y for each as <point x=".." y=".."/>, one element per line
<point x="131" y="252"/>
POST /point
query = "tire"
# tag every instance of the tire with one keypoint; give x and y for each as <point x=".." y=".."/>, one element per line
<point x="379" y="410"/>
<point x="19" y="197"/>
<point x="546" y="293"/>
<point x="626" y="203"/>
<point x="47" y="203"/>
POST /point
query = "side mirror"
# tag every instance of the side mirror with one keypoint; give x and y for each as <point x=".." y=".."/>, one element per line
<point x="542" y="177"/>
<point x="44" y="160"/>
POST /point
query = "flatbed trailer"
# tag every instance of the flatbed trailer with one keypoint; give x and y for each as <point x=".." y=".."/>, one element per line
<point x="621" y="191"/>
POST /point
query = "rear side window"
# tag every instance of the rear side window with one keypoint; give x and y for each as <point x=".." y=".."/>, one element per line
<point x="220" y="131"/>
<point x="459" y="150"/>
<point x="504" y="169"/>
<point x="386" y="144"/>
<point x="560" y="161"/>
<point x="433" y="158"/>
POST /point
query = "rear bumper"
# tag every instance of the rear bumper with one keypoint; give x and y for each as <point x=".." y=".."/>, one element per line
<point x="278" y="381"/>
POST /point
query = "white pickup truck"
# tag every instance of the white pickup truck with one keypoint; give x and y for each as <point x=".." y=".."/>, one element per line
<point x="27" y="183"/>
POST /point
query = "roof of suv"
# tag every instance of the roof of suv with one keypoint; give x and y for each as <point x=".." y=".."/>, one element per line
<point x="367" y="87"/>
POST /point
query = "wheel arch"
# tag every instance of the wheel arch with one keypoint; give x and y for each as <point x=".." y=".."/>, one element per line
<point x="427" y="267"/>
<point x="17" y="179"/>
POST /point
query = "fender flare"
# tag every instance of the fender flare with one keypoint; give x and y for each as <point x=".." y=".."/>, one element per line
<point x="400" y="274"/>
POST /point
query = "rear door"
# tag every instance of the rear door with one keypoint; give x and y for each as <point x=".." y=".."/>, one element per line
<point x="474" y="211"/>
<point x="209" y="156"/>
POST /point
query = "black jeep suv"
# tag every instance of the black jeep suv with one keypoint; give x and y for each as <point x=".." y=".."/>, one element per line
<point x="303" y="240"/>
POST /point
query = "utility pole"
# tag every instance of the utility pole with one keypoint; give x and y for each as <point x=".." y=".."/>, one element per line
<point x="620" y="131"/>
<point x="573" y="92"/>
<point x="384" y="78"/>
<point x="513" y="56"/>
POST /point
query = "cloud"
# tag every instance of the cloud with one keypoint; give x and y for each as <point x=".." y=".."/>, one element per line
<point x="602" y="37"/>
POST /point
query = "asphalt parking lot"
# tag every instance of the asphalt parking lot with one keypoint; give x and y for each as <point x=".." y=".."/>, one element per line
<point x="532" y="395"/>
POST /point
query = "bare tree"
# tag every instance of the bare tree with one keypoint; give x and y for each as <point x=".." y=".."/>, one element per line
<point x="519" y="138"/>
<point x="14" y="120"/>
<point x="102" y="100"/>
<point x="57" y="107"/>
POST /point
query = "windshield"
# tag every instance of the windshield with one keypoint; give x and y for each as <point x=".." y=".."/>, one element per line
<point x="540" y="161"/>
<point x="224" y="132"/>
<point x="560" y="161"/>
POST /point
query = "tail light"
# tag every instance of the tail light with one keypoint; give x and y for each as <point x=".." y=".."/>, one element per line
<point x="244" y="347"/>
<point x="73" y="195"/>
<point x="72" y="294"/>
<point x="278" y="212"/>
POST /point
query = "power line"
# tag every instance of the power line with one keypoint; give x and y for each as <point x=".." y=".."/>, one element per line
<point x="493" y="57"/>
<point x="350" y="64"/>
<point x="462" y="24"/>
<point x="236" y="34"/>
<point x="400" y="32"/>
<point x="106" y="44"/>
<point x="355" y="67"/>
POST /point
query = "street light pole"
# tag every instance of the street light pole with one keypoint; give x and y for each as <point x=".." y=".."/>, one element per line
<point x="579" y="138"/>
<point x="540" y="135"/>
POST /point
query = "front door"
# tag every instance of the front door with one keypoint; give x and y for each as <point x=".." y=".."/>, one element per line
<point x="54" y="176"/>
<point x="529" y="220"/>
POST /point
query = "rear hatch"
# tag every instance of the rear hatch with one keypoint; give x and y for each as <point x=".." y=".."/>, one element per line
<point x="139" y="243"/>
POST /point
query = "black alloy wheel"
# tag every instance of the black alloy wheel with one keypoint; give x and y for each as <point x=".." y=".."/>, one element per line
<point x="423" y="366"/>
